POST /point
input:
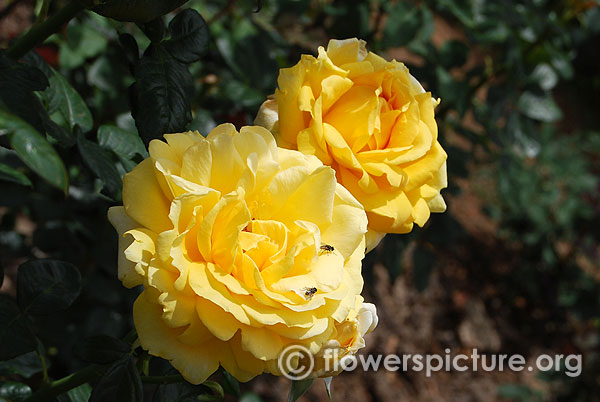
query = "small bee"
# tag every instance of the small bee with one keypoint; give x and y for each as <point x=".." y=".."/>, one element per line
<point x="326" y="249"/>
<point x="309" y="292"/>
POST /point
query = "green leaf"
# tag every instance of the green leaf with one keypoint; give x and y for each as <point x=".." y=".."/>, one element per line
<point x="154" y="30"/>
<point x="178" y="392"/>
<point x="163" y="90"/>
<point x="64" y="137"/>
<point x="496" y="32"/>
<point x="17" y="83"/>
<point x="402" y="25"/>
<point x="453" y="92"/>
<point x="216" y="388"/>
<point x="41" y="119"/>
<point x="99" y="160"/>
<point x="545" y="76"/>
<point x="242" y="94"/>
<point x="81" y="393"/>
<point x="539" y="107"/>
<point x="189" y="36"/>
<point x="124" y="143"/>
<point x="35" y="151"/>
<point x="120" y="383"/>
<point x="15" y="391"/>
<point x="298" y="388"/>
<point x="18" y="75"/>
<point x="462" y="10"/>
<point x="101" y="349"/>
<point x="15" y="337"/>
<point x="230" y="384"/>
<point x="84" y="40"/>
<point x="250" y="397"/>
<point x="351" y="18"/>
<point x="420" y="42"/>
<point x="453" y="53"/>
<point x="561" y="63"/>
<point x="64" y="98"/>
<point x="45" y="286"/>
<point x="13" y="175"/>
<point x="247" y="51"/>
<point x="186" y="392"/>
<point x="25" y="365"/>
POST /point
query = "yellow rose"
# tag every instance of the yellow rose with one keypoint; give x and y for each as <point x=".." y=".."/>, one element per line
<point x="345" y="341"/>
<point x="372" y="122"/>
<point x="242" y="249"/>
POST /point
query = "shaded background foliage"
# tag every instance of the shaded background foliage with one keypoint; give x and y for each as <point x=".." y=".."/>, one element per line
<point x="512" y="267"/>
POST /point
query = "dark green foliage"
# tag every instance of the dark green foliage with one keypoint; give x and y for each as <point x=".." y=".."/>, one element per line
<point x="189" y="36"/>
<point x="47" y="286"/>
<point x="403" y="24"/>
<point x="35" y="151"/>
<point x="161" y="96"/>
<point x="9" y="173"/>
<point x="81" y="393"/>
<point x="127" y="145"/>
<point x="162" y="90"/>
<point x="230" y="384"/>
<point x="25" y="365"/>
<point x="18" y="82"/>
<point x="99" y="160"/>
<point x="63" y="98"/>
<point x="15" y="336"/>
<point x="298" y="388"/>
<point x="185" y="392"/>
<point x="102" y="349"/>
<point x="120" y="383"/>
<point x="181" y="392"/>
<point x="14" y="391"/>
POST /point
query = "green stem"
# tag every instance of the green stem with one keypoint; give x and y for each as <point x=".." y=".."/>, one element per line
<point x="143" y="363"/>
<point x="162" y="379"/>
<point x="64" y="384"/>
<point x="43" y="11"/>
<point x="40" y="352"/>
<point x="40" y="32"/>
<point x="55" y="388"/>
<point x="130" y="337"/>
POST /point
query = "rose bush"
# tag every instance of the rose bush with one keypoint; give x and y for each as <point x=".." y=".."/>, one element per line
<point x="242" y="249"/>
<point x="372" y="122"/>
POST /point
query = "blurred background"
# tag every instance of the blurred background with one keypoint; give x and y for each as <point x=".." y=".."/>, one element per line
<point x="512" y="267"/>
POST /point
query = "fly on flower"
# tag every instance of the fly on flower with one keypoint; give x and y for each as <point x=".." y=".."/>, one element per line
<point x="309" y="292"/>
<point x="326" y="249"/>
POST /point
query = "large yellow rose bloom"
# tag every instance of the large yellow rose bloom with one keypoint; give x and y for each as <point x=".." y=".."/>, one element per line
<point x="372" y="122"/>
<point x="242" y="249"/>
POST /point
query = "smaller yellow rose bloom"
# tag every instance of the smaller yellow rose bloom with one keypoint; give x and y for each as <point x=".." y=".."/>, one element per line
<point x="372" y="122"/>
<point x="243" y="248"/>
<point x="346" y="340"/>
